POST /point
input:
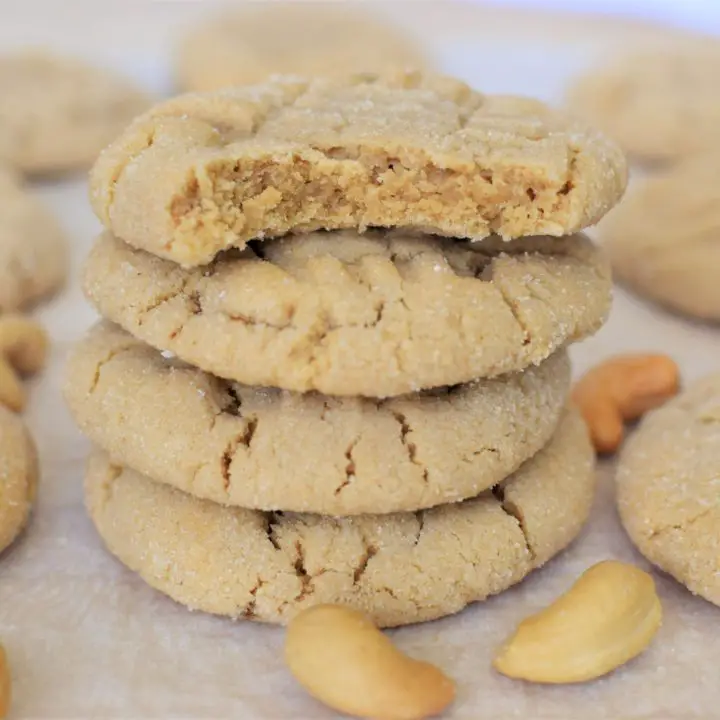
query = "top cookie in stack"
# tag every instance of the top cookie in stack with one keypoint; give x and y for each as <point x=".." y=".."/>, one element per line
<point x="403" y="245"/>
<point x="207" y="172"/>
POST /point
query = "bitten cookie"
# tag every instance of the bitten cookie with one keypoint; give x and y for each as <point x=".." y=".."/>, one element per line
<point x="18" y="476"/>
<point x="662" y="240"/>
<point x="668" y="483"/>
<point x="57" y="113"/>
<point x="249" y="45"/>
<point x="660" y="104"/>
<point x="33" y="249"/>
<point x="202" y="173"/>
<point x="379" y="314"/>
<point x="400" y="569"/>
<point x="269" y="449"/>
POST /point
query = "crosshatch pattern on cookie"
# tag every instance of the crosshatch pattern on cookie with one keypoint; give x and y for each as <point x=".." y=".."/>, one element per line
<point x="201" y="173"/>
<point x="379" y="314"/>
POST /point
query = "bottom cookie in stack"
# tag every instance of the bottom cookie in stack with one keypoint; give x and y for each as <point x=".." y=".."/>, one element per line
<point x="399" y="568"/>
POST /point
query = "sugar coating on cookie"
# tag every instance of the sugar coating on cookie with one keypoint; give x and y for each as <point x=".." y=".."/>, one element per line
<point x="57" y="113"/>
<point x="205" y="172"/>
<point x="18" y="476"/>
<point x="376" y="314"/>
<point x="249" y="45"/>
<point x="662" y="240"/>
<point x="668" y="488"/>
<point x="33" y="249"/>
<point x="273" y="450"/>
<point x="402" y="568"/>
<point x="659" y="103"/>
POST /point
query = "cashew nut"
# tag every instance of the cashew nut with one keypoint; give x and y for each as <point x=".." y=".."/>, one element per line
<point x="622" y="389"/>
<point x="608" y="616"/>
<point x="5" y="691"/>
<point x="343" y="660"/>
<point x="23" y="350"/>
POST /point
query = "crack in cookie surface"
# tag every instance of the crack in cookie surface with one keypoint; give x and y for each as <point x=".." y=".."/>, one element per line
<point x="377" y="315"/>
<point x="266" y="448"/>
<point x="399" y="568"/>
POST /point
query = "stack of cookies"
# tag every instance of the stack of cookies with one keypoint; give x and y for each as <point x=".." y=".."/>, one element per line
<point x="333" y="362"/>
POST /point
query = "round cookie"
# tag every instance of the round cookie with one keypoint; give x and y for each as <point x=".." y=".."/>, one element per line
<point x="660" y="104"/>
<point x="205" y="172"/>
<point x="270" y="449"/>
<point x="248" y="46"/>
<point x="33" y="250"/>
<point x="662" y="240"/>
<point x="668" y="481"/>
<point x="377" y="314"/>
<point x="57" y="113"/>
<point x="400" y="568"/>
<point x="18" y="476"/>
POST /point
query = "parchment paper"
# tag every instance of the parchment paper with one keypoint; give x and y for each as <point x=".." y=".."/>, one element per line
<point x="87" y="639"/>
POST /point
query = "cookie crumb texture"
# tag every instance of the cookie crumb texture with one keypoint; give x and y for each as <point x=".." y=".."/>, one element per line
<point x="57" y="113"/>
<point x="273" y="450"/>
<point x="18" y="476"/>
<point x="377" y="315"/>
<point x="399" y="569"/>
<point x="202" y="173"/>
<point x="667" y="488"/>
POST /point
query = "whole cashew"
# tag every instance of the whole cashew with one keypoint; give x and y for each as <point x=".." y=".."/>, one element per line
<point x="622" y="389"/>
<point x="343" y="660"/>
<point x="23" y="351"/>
<point x="608" y="616"/>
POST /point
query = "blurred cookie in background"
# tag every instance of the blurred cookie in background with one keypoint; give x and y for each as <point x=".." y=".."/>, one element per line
<point x="57" y="113"/>
<point x="245" y="46"/>
<point x="33" y="249"/>
<point x="661" y="104"/>
<point x="663" y="240"/>
<point x="19" y="475"/>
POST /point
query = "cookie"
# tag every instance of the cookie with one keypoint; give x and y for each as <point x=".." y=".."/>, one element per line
<point x="662" y="240"/>
<point x="202" y="173"/>
<point x="33" y="250"/>
<point x="273" y="450"/>
<point x="660" y="104"/>
<point x="57" y="113"/>
<point x="379" y="314"/>
<point x="248" y="46"/>
<point x="18" y="476"/>
<point x="400" y="568"/>
<point x="667" y="488"/>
